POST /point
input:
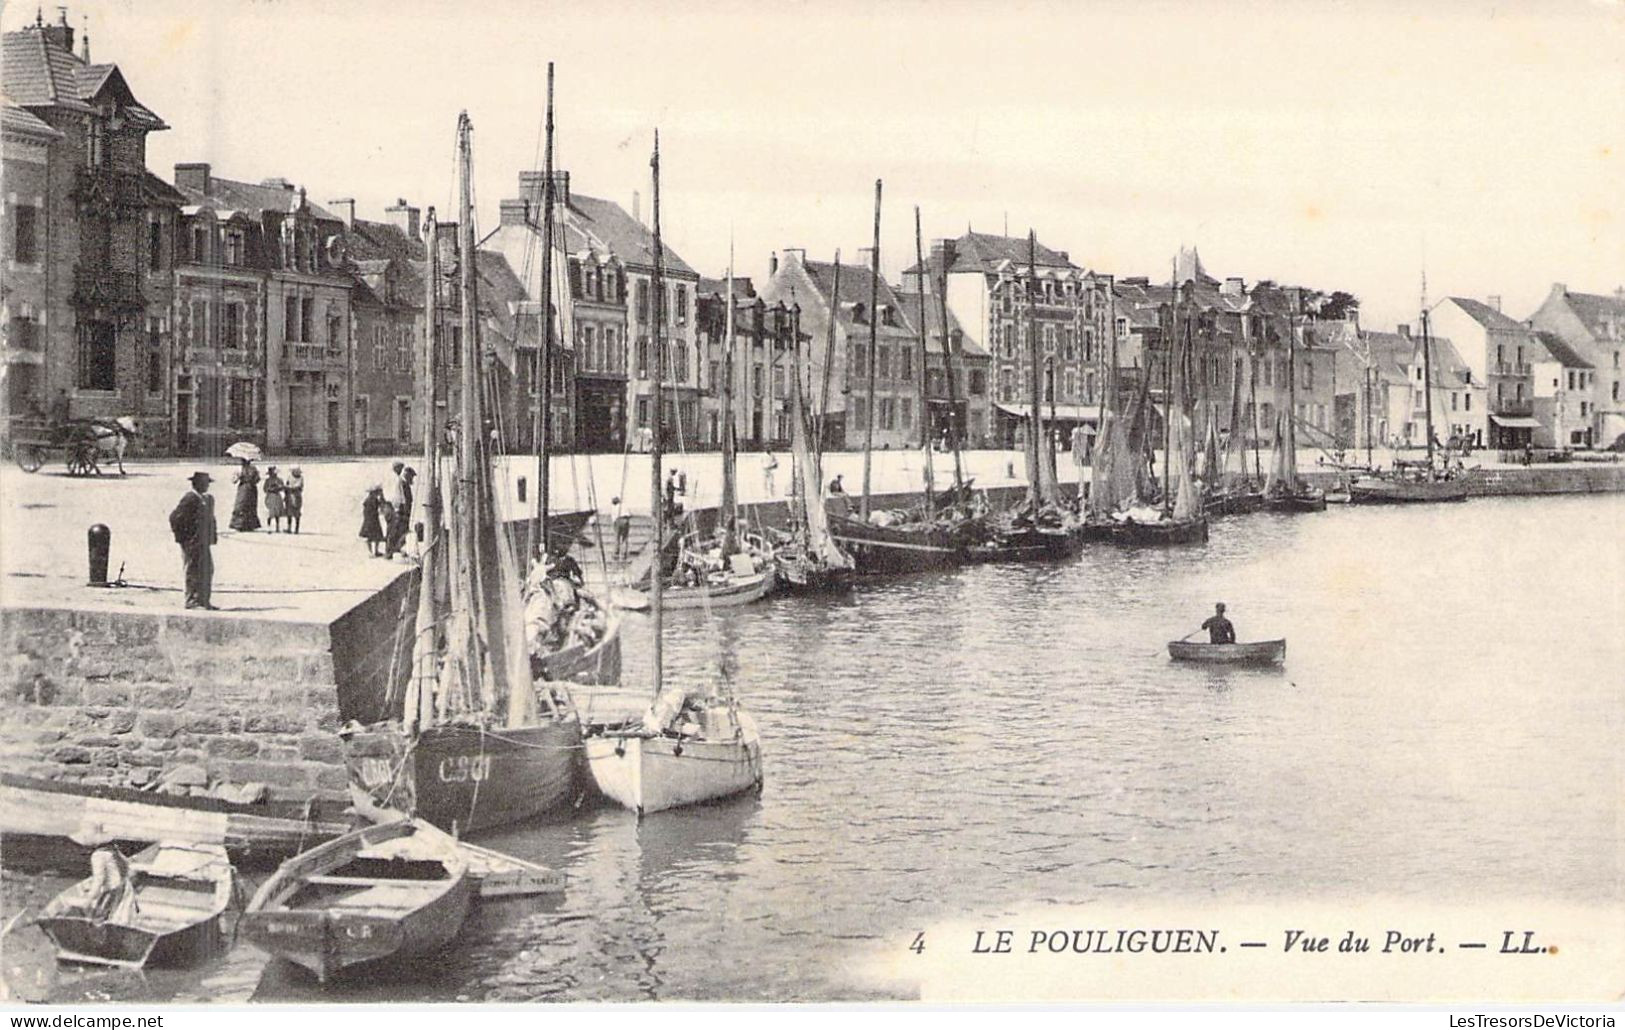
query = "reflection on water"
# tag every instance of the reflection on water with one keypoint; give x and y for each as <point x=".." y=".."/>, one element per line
<point x="997" y="738"/>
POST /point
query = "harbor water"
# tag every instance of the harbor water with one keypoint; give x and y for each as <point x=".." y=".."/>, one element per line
<point x="1001" y="738"/>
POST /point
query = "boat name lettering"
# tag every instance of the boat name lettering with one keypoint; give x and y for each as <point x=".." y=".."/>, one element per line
<point x="465" y="768"/>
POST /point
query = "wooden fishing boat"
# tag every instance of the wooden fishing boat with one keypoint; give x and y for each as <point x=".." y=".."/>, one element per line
<point x="685" y="747"/>
<point x="472" y="742"/>
<point x="1233" y="502"/>
<point x="904" y="547"/>
<point x="48" y="823"/>
<point x="161" y="907"/>
<point x="1404" y="490"/>
<point x="1020" y="539"/>
<point x="1160" y="533"/>
<point x="381" y="893"/>
<point x="1260" y="652"/>
<point x="583" y="663"/>
<point x="1303" y="499"/>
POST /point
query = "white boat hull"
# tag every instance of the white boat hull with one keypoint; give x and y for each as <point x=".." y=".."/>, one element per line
<point x="652" y="774"/>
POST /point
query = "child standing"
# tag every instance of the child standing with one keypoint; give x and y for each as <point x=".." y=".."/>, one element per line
<point x="372" y="529"/>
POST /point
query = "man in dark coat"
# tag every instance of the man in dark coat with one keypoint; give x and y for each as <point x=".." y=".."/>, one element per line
<point x="192" y="523"/>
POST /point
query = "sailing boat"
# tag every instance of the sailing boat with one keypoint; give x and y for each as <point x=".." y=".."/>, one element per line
<point x="573" y="635"/>
<point x="1229" y="489"/>
<point x="1179" y="519"/>
<point x="1414" y="485"/>
<point x="687" y="747"/>
<point x="812" y="561"/>
<point x="474" y="743"/>
<point x="1283" y="490"/>
<point x="1043" y="528"/>
<point x="892" y="542"/>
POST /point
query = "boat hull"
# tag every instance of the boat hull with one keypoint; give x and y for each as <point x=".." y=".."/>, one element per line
<point x="1234" y="504"/>
<point x="1391" y="491"/>
<point x="892" y="549"/>
<point x="465" y="779"/>
<point x="1296" y="504"/>
<point x="1262" y="652"/>
<point x="1037" y="544"/>
<point x="332" y="935"/>
<point x="652" y="774"/>
<point x="82" y="940"/>
<point x="44" y="820"/>
<point x="735" y="592"/>
<point x="1168" y="533"/>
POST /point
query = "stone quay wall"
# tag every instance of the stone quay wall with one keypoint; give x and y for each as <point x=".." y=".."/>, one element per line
<point x="116" y="696"/>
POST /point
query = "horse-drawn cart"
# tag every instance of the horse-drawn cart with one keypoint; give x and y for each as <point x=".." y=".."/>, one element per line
<point x="81" y="441"/>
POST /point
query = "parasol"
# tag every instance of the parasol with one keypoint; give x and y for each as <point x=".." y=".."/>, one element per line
<point x="245" y="449"/>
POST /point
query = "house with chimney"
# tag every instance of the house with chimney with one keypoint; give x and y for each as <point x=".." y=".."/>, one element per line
<point x="1000" y="288"/>
<point x="263" y="337"/>
<point x="387" y="304"/>
<point x="1501" y="353"/>
<point x="1394" y="404"/>
<point x="958" y="373"/>
<point x="1592" y="325"/>
<point x="605" y="312"/>
<point x="761" y="355"/>
<point x="87" y="284"/>
<point x="866" y="308"/>
<point x="1564" y="385"/>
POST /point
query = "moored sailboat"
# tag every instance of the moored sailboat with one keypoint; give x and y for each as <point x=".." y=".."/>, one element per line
<point x="688" y="746"/>
<point x="474" y="743"/>
<point x="1284" y="491"/>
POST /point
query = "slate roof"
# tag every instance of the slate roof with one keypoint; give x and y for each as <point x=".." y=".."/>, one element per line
<point x="607" y="223"/>
<point x="1392" y="354"/>
<point x="933" y="323"/>
<point x="744" y="289"/>
<point x="1561" y="352"/>
<point x="1487" y="316"/>
<point x="1594" y="309"/>
<point x="36" y="73"/>
<point x="15" y="119"/>
<point x="250" y="198"/>
<point x="381" y="241"/>
<point x="983" y="252"/>
<point x="856" y="283"/>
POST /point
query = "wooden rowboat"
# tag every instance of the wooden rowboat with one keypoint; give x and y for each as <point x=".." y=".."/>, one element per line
<point x="1258" y="652"/>
<point x="381" y="893"/>
<point x="1389" y="490"/>
<point x="163" y="907"/>
<point x="50" y="824"/>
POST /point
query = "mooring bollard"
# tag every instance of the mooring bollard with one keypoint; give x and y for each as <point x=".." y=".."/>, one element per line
<point x="99" y="541"/>
<point x="521" y="489"/>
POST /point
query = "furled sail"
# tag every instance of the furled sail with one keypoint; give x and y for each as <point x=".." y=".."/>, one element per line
<point x="820" y="543"/>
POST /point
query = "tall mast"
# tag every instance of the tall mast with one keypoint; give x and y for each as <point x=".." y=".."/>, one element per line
<point x="730" y="499"/>
<point x="1168" y="399"/>
<point x="948" y="371"/>
<point x="829" y="364"/>
<point x="471" y="440"/>
<point x="655" y="501"/>
<point x="1289" y="439"/>
<point x="874" y="319"/>
<point x="925" y="403"/>
<point x="544" y="409"/>
<point x="1034" y="476"/>
<point x="420" y="699"/>
<point x="1427" y="384"/>
<point x="1252" y="402"/>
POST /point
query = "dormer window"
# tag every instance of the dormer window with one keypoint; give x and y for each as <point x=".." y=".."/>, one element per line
<point x="860" y="314"/>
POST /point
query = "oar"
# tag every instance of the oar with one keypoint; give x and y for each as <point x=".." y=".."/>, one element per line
<point x="1181" y="640"/>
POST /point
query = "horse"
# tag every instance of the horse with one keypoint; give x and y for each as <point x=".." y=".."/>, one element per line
<point x="108" y="438"/>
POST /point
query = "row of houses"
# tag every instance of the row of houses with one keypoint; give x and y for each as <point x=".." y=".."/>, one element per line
<point x="214" y="309"/>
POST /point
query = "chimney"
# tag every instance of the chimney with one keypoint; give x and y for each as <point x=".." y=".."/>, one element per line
<point x="345" y="207"/>
<point x="1494" y="301"/>
<point x="531" y="184"/>
<point x="637" y="207"/>
<point x="277" y="183"/>
<point x="943" y="254"/>
<point x="773" y="263"/>
<point x="84" y="41"/>
<point x="515" y="211"/>
<point x="1404" y="331"/>
<point x="404" y="217"/>
<point x="866" y="256"/>
<point x="1233" y="287"/>
<point x="60" y="35"/>
<point x="193" y="176"/>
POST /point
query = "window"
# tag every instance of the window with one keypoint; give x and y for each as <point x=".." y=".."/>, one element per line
<point x="234" y="246"/>
<point x="1069" y="342"/>
<point x="290" y="320"/>
<point x="613" y="362"/>
<point x="200" y="244"/>
<point x="155" y="356"/>
<point x="887" y="414"/>
<point x="155" y="245"/>
<point x="1069" y="383"/>
<point x="379" y="354"/>
<point x="643" y="316"/>
<point x="884" y="368"/>
<point x="1049" y="339"/>
<point x="97" y="356"/>
<point x="860" y="412"/>
<point x="643" y="408"/>
<point x="978" y="383"/>
<point x="403" y="419"/>
<point x="680" y="302"/>
<point x="643" y="354"/>
<point x="589" y="349"/>
<point x="1616" y="389"/>
<point x="756" y="382"/>
<point x="307" y="314"/>
<point x="403" y="349"/>
<point x="240" y="402"/>
<point x="1122" y="328"/>
<point x="26" y="250"/>
<point x="1467" y="402"/>
<point x="679" y="362"/>
<point x="905" y="413"/>
<point x="907" y="373"/>
<point x="860" y="314"/>
<point x="1308" y="374"/>
<point x="1455" y="399"/>
<point x="233" y="325"/>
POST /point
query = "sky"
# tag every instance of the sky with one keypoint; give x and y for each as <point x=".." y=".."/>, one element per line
<point x="1333" y="145"/>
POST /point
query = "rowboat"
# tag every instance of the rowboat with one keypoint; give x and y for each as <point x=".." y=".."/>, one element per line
<point x="599" y="662"/>
<point x="49" y="823"/>
<point x="1260" y="652"/>
<point x="682" y="750"/>
<point x="726" y="593"/>
<point x="384" y="892"/>
<point x="163" y="907"/>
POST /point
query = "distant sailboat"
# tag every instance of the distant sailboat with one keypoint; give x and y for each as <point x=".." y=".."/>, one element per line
<point x="688" y="746"/>
<point x="474" y="743"/>
<point x="1283" y="490"/>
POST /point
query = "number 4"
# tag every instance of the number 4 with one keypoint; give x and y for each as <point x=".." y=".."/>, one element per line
<point x="918" y="945"/>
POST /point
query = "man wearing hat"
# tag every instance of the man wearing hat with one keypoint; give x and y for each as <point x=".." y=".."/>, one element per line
<point x="192" y="522"/>
<point x="400" y="519"/>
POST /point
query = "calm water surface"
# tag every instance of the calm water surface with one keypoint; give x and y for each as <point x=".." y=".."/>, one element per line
<point x="1004" y="737"/>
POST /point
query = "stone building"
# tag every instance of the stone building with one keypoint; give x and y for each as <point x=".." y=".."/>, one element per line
<point x="1501" y="353"/>
<point x="603" y="264"/>
<point x="763" y="359"/>
<point x="88" y="248"/>
<point x="264" y="345"/>
<point x="1593" y="327"/>
<point x="1564" y="385"/>
<point x="386" y="260"/>
<point x="962" y="408"/>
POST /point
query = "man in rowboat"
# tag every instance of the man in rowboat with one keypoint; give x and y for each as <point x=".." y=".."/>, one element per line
<point x="1218" y="627"/>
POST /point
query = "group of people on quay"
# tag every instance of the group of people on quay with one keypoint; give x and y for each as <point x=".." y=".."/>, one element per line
<point x="284" y="499"/>
<point x="386" y="512"/>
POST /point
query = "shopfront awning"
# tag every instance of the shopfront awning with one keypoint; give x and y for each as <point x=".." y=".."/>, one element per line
<point x="1061" y="412"/>
<point x="1515" y="422"/>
